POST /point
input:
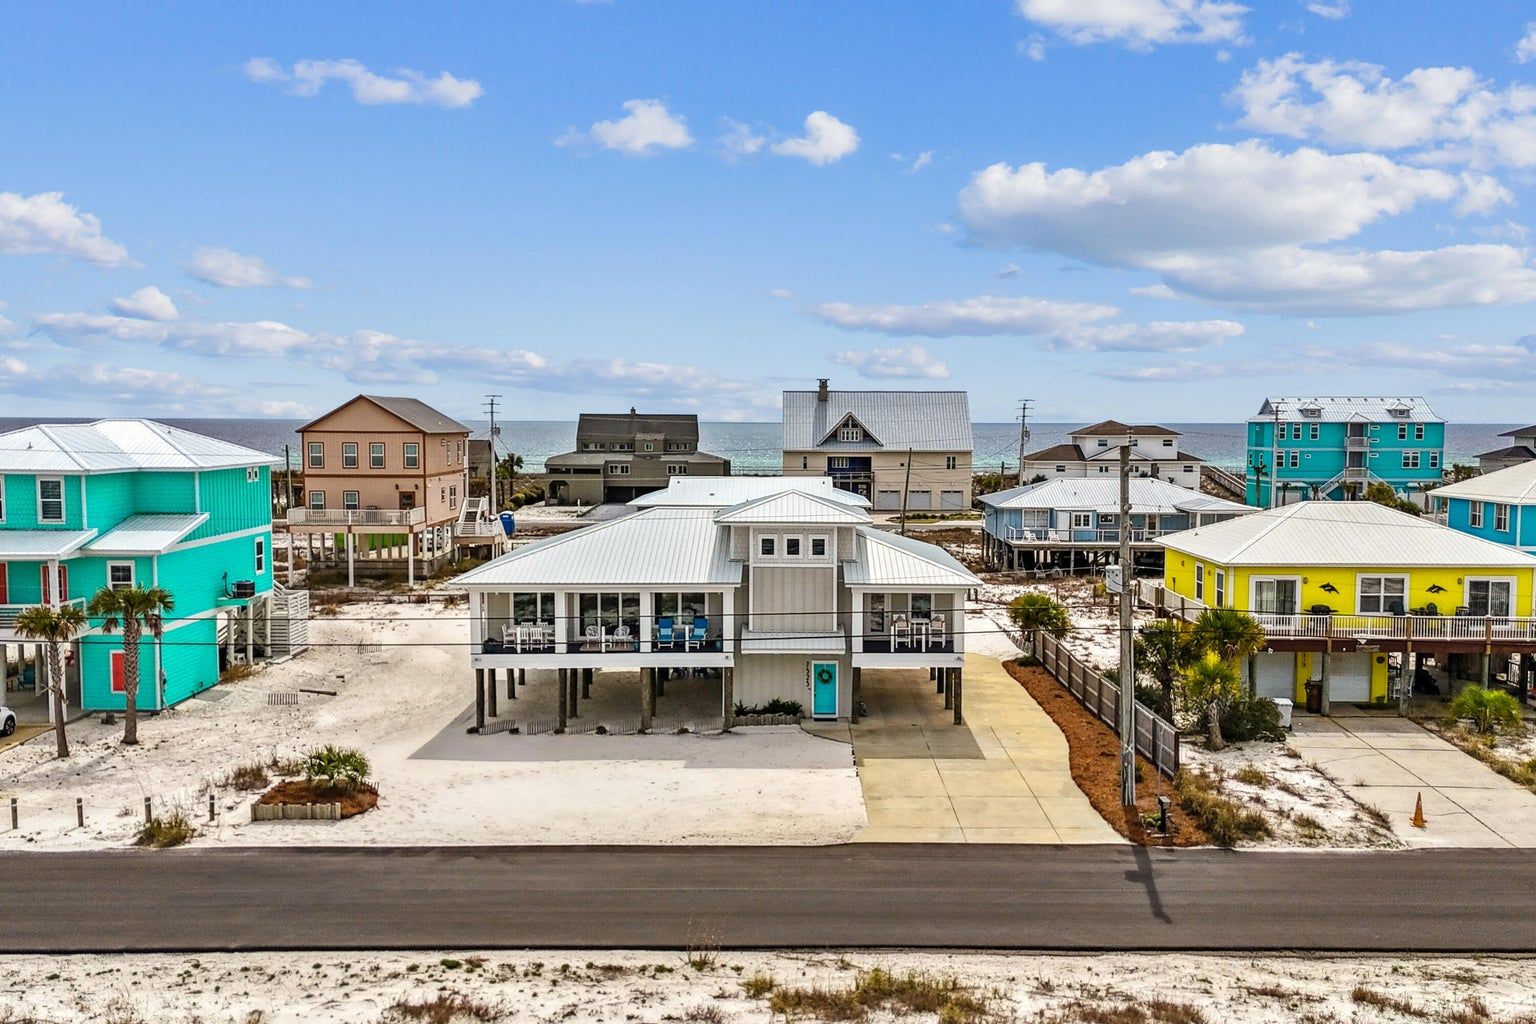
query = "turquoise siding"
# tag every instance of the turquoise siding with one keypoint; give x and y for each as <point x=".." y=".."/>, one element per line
<point x="1319" y="460"/>
<point x="164" y="492"/>
<point x="233" y="503"/>
<point x="200" y="575"/>
<point x="189" y="657"/>
<point x="109" y="499"/>
<point x="21" y="504"/>
<point x="1520" y="531"/>
<point x="189" y="661"/>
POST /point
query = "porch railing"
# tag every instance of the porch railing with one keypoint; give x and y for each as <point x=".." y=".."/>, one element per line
<point x="10" y="612"/>
<point x="356" y="517"/>
<point x="1059" y="535"/>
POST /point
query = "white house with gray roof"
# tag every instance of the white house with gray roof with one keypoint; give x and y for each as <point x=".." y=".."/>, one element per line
<point x="864" y="440"/>
<point x="783" y="595"/>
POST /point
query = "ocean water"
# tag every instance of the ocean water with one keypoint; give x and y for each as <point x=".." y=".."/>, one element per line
<point x="754" y="447"/>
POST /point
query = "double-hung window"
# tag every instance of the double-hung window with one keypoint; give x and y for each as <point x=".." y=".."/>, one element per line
<point x="50" y="500"/>
<point x="120" y="575"/>
<point x="1199" y="582"/>
<point x="261" y="555"/>
<point x="950" y="462"/>
<point x="349" y="501"/>
<point x="411" y="455"/>
<point x="1221" y="588"/>
<point x="1314" y="431"/>
<point x="1501" y="517"/>
<point x="349" y="455"/>
<point x="317" y="500"/>
<point x="1382" y="595"/>
<point x="1295" y="459"/>
<point x="376" y="455"/>
<point x="1418" y="432"/>
<point x="1475" y="514"/>
<point x="317" y="455"/>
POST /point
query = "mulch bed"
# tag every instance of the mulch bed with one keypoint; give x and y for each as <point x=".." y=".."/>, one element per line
<point x="1095" y="758"/>
<point x="302" y="791"/>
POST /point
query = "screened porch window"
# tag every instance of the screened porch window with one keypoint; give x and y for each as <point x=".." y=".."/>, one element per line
<point x="607" y="611"/>
<point x="681" y="608"/>
<point x="529" y="609"/>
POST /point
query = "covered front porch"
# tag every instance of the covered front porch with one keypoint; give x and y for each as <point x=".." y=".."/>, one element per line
<point x="908" y="628"/>
<point x="603" y="628"/>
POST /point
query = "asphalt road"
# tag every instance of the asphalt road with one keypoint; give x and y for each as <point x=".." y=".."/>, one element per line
<point x="1045" y="898"/>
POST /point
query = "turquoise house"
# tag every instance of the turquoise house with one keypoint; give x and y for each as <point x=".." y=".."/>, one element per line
<point x="1498" y="506"/>
<point x="1304" y="449"/>
<point x="133" y="502"/>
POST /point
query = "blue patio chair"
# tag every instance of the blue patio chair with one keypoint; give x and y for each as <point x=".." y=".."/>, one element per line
<point x="697" y="634"/>
<point x="664" y="635"/>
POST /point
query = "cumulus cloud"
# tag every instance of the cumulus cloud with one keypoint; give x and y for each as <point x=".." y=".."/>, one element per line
<point x="148" y="303"/>
<point x="739" y="140"/>
<point x="1138" y="24"/>
<point x="1333" y="10"/>
<point x="904" y="362"/>
<point x="229" y="269"/>
<point x="826" y="140"/>
<point x="113" y="383"/>
<point x="1525" y="49"/>
<point x="1442" y="115"/>
<point x="1497" y="362"/>
<point x="1157" y="336"/>
<point x="43" y="223"/>
<point x="308" y="77"/>
<point x="982" y="316"/>
<point x="260" y="337"/>
<point x="647" y="126"/>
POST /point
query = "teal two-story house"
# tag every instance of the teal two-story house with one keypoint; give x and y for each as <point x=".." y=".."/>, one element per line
<point x="131" y="502"/>
<point x="1302" y="449"/>
<point x="1498" y="506"/>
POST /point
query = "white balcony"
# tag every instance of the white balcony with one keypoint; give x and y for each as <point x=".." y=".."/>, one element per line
<point x="1056" y="535"/>
<point x="352" y="518"/>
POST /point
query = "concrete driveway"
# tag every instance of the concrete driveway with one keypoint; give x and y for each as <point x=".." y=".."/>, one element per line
<point x="1390" y="762"/>
<point x="1003" y="777"/>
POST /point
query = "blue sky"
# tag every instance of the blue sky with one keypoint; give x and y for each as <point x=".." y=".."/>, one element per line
<point x="1147" y="209"/>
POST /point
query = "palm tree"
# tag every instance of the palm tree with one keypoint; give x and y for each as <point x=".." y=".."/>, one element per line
<point x="55" y="627"/>
<point x="1211" y="685"/>
<point x="135" y="609"/>
<point x="1229" y="634"/>
<point x="1166" y="649"/>
<point x="1035" y="612"/>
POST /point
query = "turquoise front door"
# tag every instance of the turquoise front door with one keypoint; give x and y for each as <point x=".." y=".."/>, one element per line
<point x="823" y="689"/>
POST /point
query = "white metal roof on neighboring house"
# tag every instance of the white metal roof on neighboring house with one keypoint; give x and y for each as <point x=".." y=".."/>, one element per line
<point x="1348" y="533"/>
<point x="882" y="558"/>
<point x="1148" y="495"/>
<point x="28" y="545"/>
<point x="1342" y="408"/>
<point x="1513" y="486"/>
<point x="725" y="491"/>
<point x="117" y="446"/>
<point x="661" y="546"/>
<point x="924" y="421"/>
<point x="793" y="507"/>
<point x="149" y="534"/>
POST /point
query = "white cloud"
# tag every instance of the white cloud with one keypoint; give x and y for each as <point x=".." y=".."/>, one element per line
<point x="1157" y="336"/>
<point x="1333" y="10"/>
<point x="1033" y="48"/>
<point x="1442" y="115"/>
<point x="167" y="391"/>
<point x="1155" y="291"/>
<point x="739" y="140"/>
<point x="229" y="269"/>
<point x="1138" y="24"/>
<point x="44" y="223"/>
<point x="1212" y="198"/>
<point x="1525" y="49"/>
<point x="646" y="126"/>
<point x="922" y="160"/>
<point x="826" y="140"/>
<point x="904" y="362"/>
<point x="261" y="337"/>
<point x="1009" y="272"/>
<point x="308" y="77"/>
<point x="982" y="316"/>
<point x="148" y="303"/>
<point x="781" y="293"/>
<point x="1497" y="362"/>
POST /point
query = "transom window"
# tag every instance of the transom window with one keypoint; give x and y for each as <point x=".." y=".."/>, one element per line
<point x="349" y="455"/>
<point x="50" y="500"/>
<point x="316" y="455"/>
<point x="376" y="455"/>
<point x="412" y="455"/>
<point x="1167" y="442"/>
<point x="1383" y="595"/>
<point x="120" y="575"/>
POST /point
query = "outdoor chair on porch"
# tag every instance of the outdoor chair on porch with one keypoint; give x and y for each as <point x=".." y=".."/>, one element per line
<point x="622" y="639"/>
<point x="901" y="632"/>
<point x="666" y="638"/>
<point x="936" y="631"/>
<point x="697" y="634"/>
<point x="595" y="640"/>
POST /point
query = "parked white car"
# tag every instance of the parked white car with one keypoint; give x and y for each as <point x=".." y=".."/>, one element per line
<point x="7" y="721"/>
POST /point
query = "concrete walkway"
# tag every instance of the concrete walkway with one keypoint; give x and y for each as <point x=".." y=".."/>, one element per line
<point x="1389" y="762"/>
<point x="1003" y="777"/>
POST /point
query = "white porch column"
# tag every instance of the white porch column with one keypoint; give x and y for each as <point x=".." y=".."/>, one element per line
<point x="351" y="548"/>
<point x="856" y="625"/>
<point x="54" y="596"/>
<point x="476" y="621"/>
<point x="647" y="620"/>
<point x="410" y="559"/>
<point x="250" y="632"/>
<point x="562" y="621"/>
<point x="958" y="627"/>
<point x="727" y="621"/>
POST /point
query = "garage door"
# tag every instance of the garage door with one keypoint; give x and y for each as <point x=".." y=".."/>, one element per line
<point x="888" y="499"/>
<point x="922" y="500"/>
<point x="1275" y="675"/>
<point x="951" y="499"/>
<point x="1349" y="677"/>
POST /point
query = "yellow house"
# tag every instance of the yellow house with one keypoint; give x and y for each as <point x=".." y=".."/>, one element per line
<point x="1358" y="582"/>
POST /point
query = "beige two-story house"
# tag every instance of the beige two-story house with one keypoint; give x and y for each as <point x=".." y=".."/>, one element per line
<point x="865" y="440"/>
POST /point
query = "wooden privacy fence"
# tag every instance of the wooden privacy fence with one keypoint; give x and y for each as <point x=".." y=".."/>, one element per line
<point x="1156" y="738"/>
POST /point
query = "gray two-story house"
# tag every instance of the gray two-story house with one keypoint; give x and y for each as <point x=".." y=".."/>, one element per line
<point x="620" y="456"/>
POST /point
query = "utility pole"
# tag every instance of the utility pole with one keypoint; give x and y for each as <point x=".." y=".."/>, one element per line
<point x="288" y="474"/>
<point x="1127" y="714"/>
<point x="1023" y="434"/>
<point x="906" y="489"/>
<point x="490" y="401"/>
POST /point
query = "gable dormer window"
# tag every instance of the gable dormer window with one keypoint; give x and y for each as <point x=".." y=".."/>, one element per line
<point x="1311" y="412"/>
<point x="850" y="432"/>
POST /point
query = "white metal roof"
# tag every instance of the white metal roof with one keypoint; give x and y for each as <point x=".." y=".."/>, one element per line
<point x="26" y="545"/>
<point x="1348" y="533"/>
<point x="924" y="421"/>
<point x="725" y="491"/>
<point x="661" y="546"/>
<point x="784" y="641"/>
<point x="1513" y="486"/>
<point x="1148" y="495"/>
<point x="115" y="446"/>
<point x="148" y="534"/>
<point x="1342" y="408"/>
<point x="882" y="558"/>
<point x="793" y="507"/>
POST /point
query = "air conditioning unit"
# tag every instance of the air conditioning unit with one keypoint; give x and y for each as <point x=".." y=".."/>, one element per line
<point x="245" y="588"/>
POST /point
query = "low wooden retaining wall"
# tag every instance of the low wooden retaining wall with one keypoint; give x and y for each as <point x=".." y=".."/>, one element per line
<point x="295" y="812"/>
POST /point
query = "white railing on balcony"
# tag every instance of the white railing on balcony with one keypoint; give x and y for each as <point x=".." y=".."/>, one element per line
<point x="343" y="517"/>
<point x="477" y="530"/>
<point x="9" y="612"/>
<point x="1058" y="535"/>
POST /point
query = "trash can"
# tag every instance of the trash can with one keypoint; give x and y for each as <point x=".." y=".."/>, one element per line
<point x="1314" y="696"/>
<point x="1286" y="706"/>
<point x="508" y="524"/>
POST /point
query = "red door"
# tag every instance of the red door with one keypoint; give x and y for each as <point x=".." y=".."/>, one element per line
<point x="119" y="672"/>
<point x="63" y="583"/>
<point x="5" y="577"/>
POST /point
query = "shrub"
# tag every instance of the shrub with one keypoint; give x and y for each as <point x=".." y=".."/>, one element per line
<point x="1489" y="711"/>
<point x="1151" y="697"/>
<point x="1210" y="687"/>
<point x="758" y="985"/>
<point x="171" y="830"/>
<point x="336" y="766"/>
<point x="444" y="1008"/>
<point x="249" y="776"/>
<point x="1251" y="718"/>
<point x="1224" y="820"/>
<point x="777" y="706"/>
<point x="1034" y="611"/>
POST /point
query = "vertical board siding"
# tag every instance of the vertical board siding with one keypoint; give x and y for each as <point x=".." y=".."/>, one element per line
<point x="233" y="503"/>
<point x="794" y="598"/>
<point x="189" y="657"/>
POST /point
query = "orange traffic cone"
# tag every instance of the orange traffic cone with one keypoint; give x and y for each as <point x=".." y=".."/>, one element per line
<point x="1418" y="812"/>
